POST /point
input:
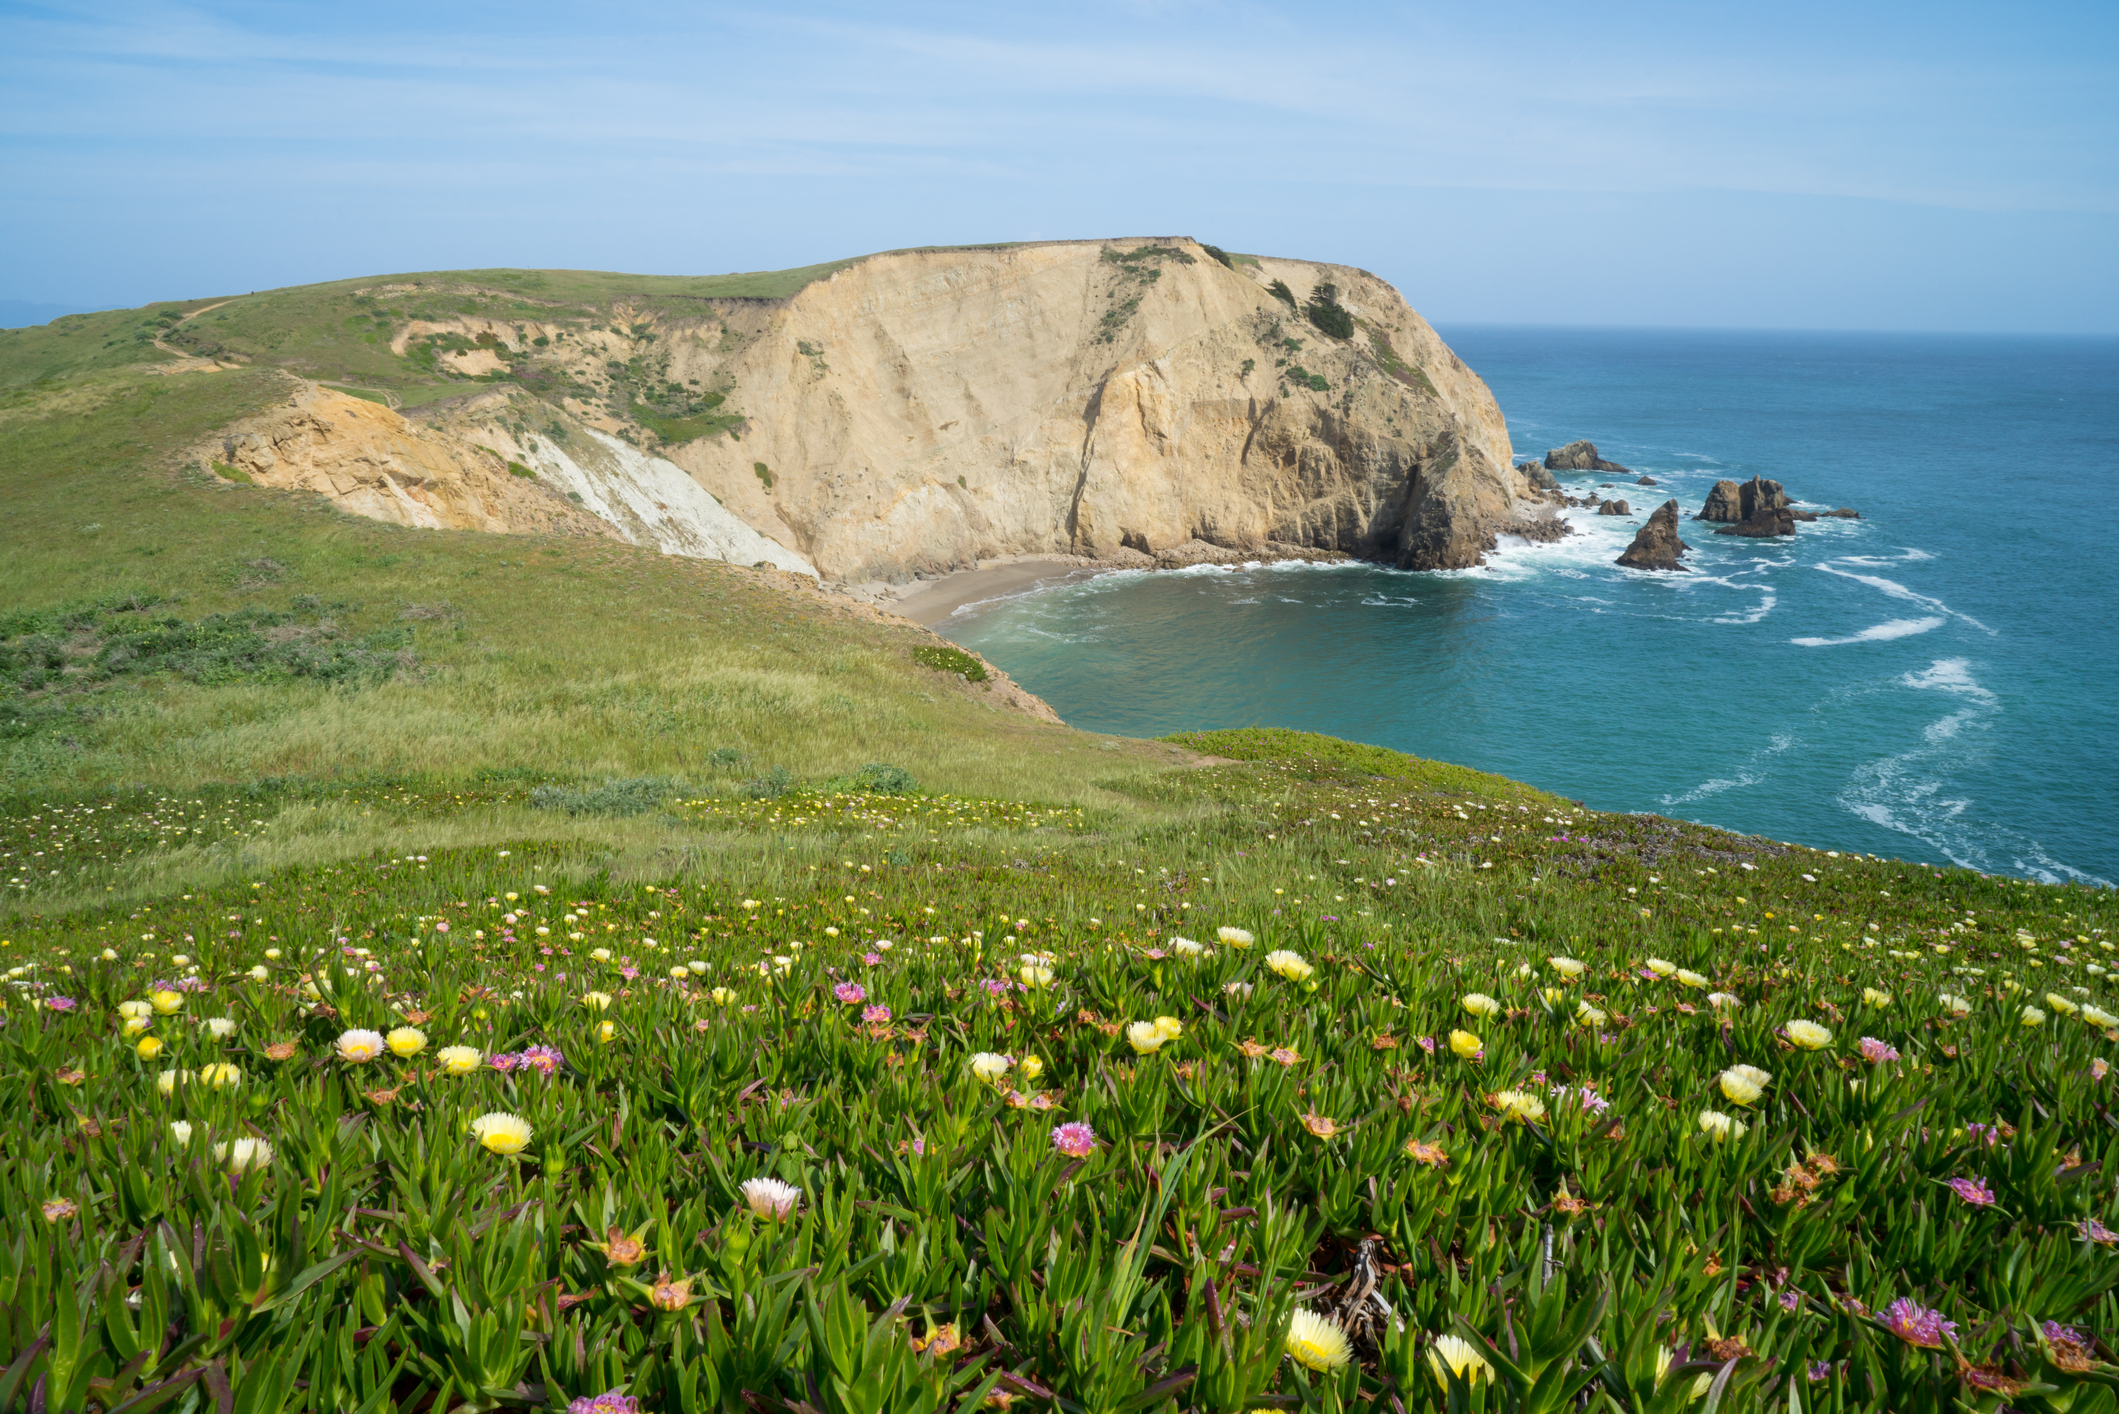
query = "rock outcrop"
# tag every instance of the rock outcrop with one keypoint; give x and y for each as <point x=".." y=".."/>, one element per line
<point x="1537" y="477"/>
<point x="1614" y="508"/>
<point x="1580" y="456"/>
<point x="1725" y="504"/>
<point x="1656" y="545"/>
<point x="1647" y="481"/>
<point x="1759" y="494"/>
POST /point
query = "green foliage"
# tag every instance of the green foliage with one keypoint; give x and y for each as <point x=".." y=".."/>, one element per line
<point x="1327" y="314"/>
<point x="1248" y="365"/>
<point x="1387" y="358"/>
<point x="944" y="658"/>
<point x="613" y="797"/>
<point x="1218" y="253"/>
<point x="764" y="473"/>
<point x="770" y="786"/>
<point x="876" y="778"/>
<point x="516" y="468"/>
<point x="1301" y="377"/>
<point x="1279" y="290"/>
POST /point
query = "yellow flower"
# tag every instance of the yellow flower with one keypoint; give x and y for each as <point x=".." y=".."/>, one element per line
<point x="1567" y="966"/>
<point x="1589" y="1016"/>
<point x="596" y="1001"/>
<point x="1170" y="1026"/>
<point x="1760" y="1078"/>
<point x="221" y="1075"/>
<point x="1741" y="1089"/>
<point x="1661" y="968"/>
<point x="1030" y="1068"/>
<point x="1518" y="1105"/>
<point x="990" y="1067"/>
<point x="1146" y="1037"/>
<point x="149" y="1047"/>
<point x="1954" y="1005"/>
<point x="2098" y="1016"/>
<point x="2031" y="1016"/>
<point x="406" y="1042"/>
<point x="1465" y="1044"/>
<point x="358" y="1047"/>
<point x="459" y="1060"/>
<point x="1689" y="979"/>
<point x="606" y="1032"/>
<point x="130" y="1010"/>
<point x="1234" y="937"/>
<point x="134" y="1025"/>
<point x="168" y="1080"/>
<point x="1872" y="997"/>
<point x="1454" y="1355"/>
<point x="1809" y="1035"/>
<point x="1033" y="974"/>
<point x="722" y="996"/>
<point x="167" y="1003"/>
<point x="1318" y="1342"/>
<point x="1552" y="996"/>
<point x="502" y="1133"/>
<point x="1720" y="1127"/>
<point x="1479" y="1004"/>
<point x="1289" y="965"/>
<point x="2061" y="1004"/>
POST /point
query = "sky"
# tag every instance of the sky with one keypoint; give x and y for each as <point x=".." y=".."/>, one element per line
<point x="1850" y="165"/>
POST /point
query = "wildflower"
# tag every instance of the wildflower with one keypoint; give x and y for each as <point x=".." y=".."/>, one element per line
<point x="180" y="1130"/>
<point x="406" y="1042"/>
<point x="1973" y="1191"/>
<point x="942" y="1340"/>
<point x="850" y="993"/>
<point x="502" y="1133"/>
<point x="875" y="1015"/>
<point x="1034" y="974"/>
<point x="1146" y="1037"/>
<point x="135" y="1010"/>
<point x="1317" y="1342"/>
<point x="59" y="1209"/>
<point x="168" y="1080"/>
<point x="668" y="1295"/>
<point x="1234" y="937"/>
<point x="1030" y="1067"/>
<point x="1284" y="1055"/>
<point x="2099" y="1017"/>
<point x="2091" y="1230"/>
<point x="609" y="1402"/>
<point x="1518" y="1105"/>
<point x="1239" y="990"/>
<point x="1323" y="1126"/>
<point x="1433" y="1155"/>
<point x="2032" y="1016"/>
<point x="1809" y="1035"/>
<point x="2099" y="1068"/>
<point x="545" y="1060"/>
<point x="1722" y="1001"/>
<point x="61" y="1003"/>
<point x="990" y="1066"/>
<point x="1954" y="1005"/>
<point x="1589" y="1016"/>
<point x="358" y="1047"/>
<point x="1917" y="1325"/>
<point x="1661" y="968"/>
<point x="221" y="1075"/>
<point x="1170" y="1027"/>
<point x="149" y="1047"/>
<point x="1076" y="1140"/>
<point x="1479" y="1004"/>
<point x="1467" y="1045"/>
<point x="606" y="1032"/>
<point x="459" y="1060"/>
<point x="596" y="1001"/>
<point x="770" y="1198"/>
<point x="166" y="1003"/>
<point x="1720" y="1127"/>
<point x="1454" y="1355"/>
<point x="1740" y="1089"/>
<point x="721" y="996"/>
<point x="1568" y="967"/>
<point x="1289" y="965"/>
<point x="1760" y="1078"/>
<point x="1185" y="947"/>
<point x="1876" y="1052"/>
<point x="220" y="1027"/>
<point x="1689" y="979"/>
<point x="244" y="1155"/>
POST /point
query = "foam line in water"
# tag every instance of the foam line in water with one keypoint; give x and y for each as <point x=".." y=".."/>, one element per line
<point x="1749" y="774"/>
<point x="1894" y="628"/>
<point x="1898" y="591"/>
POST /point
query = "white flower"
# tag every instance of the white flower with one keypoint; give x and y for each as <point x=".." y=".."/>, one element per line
<point x="1454" y="1355"/>
<point x="221" y="1027"/>
<point x="1720" y="1127"/>
<point x="180" y="1130"/>
<point x="990" y="1066"/>
<point x="770" y="1198"/>
<point x="358" y="1047"/>
<point x="1955" y="1005"/>
<point x="1566" y="967"/>
<point x="1809" y="1035"/>
<point x="244" y="1155"/>
<point x="1722" y="1000"/>
<point x="1289" y="964"/>
<point x="1185" y="947"/>
<point x="2032" y="1016"/>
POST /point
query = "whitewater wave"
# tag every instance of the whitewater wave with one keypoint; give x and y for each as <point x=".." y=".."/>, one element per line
<point x="1895" y="590"/>
<point x="1750" y="773"/>
<point x="1893" y="628"/>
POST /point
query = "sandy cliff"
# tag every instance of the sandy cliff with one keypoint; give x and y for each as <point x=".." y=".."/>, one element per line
<point x="919" y="411"/>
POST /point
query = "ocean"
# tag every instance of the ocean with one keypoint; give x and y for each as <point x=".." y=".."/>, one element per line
<point x="1935" y="681"/>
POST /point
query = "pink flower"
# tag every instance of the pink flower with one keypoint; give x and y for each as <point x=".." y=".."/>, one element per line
<point x="628" y="973"/>
<point x="1916" y="1324"/>
<point x="1973" y="1191"/>
<point x="609" y="1402"/>
<point x="1074" y="1139"/>
<point x="872" y="959"/>
<point x="875" y="1015"/>
<point x="850" y="993"/>
<point x="542" y="1059"/>
<point x="60" y="1003"/>
<point x="505" y="1062"/>
<point x="1876" y="1052"/>
<point x="2094" y="1231"/>
<point x="1427" y="1043"/>
<point x="441" y="927"/>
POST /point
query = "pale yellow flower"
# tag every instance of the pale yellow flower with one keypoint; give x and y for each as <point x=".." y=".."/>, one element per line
<point x="244" y="1154"/>
<point x="2032" y="1016"/>
<point x="502" y="1133"/>
<point x="1870" y="996"/>
<point x="1689" y="979"/>
<point x="1454" y="1355"/>
<point x="406" y="1042"/>
<point x="459" y="1060"/>
<point x="990" y="1066"/>
<point x="1146" y="1037"/>
<point x="358" y="1047"/>
<point x="2098" y="1016"/>
<point x="1568" y="966"/>
<point x="1661" y="968"/>
<point x="1170" y="1026"/>
<point x="167" y="1003"/>
<point x="1030" y="1068"/>
<point x="1518" y="1105"/>
<point x="1590" y="1016"/>
<point x="221" y="1075"/>
<point x="2061" y="1004"/>
<point x="596" y="1001"/>
<point x="1720" y="1127"/>
<point x="1809" y="1035"/>
<point x="1479" y="1004"/>
<point x="1289" y="965"/>
<point x="1465" y="1044"/>
<point x="1032" y="974"/>
<point x="1234" y="937"/>
<point x="1317" y="1342"/>
<point x="1740" y="1089"/>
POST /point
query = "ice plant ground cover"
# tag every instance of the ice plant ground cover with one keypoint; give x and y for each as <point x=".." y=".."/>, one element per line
<point x="1009" y="1106"/>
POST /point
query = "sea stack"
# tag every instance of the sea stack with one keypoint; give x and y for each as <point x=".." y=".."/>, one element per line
<point x="1614" y="508"/>
<point x="1725" y="504"/>
<point x="1656" y="546"/>
<point x="1765" y="511"/>
<point x="1580" y="456"/>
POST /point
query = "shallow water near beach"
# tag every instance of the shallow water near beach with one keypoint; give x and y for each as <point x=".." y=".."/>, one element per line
<point x="1936" y="681"/>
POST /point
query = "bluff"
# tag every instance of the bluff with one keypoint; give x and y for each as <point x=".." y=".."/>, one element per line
<point x="917" y="411"/>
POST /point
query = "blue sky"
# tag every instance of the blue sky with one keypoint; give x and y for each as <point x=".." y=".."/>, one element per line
<point x="1846" y="165"/>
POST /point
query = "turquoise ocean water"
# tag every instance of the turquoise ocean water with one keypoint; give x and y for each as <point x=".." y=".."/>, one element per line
<point x="1936" y="681"/>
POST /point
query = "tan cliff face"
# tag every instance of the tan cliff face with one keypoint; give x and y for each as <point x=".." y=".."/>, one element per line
<point x="922" y="410"/>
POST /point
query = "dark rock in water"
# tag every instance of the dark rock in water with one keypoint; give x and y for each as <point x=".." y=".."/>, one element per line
<point x="1647" y="481"/>
<point x="1725" y="503"/>
<point x="1538" y="476"/>
<point x="1843" y="514"/>
<point x="1541" y="530"/>
<point x="1757" y="493"/>
<point x="1579" y="456"/>
<point x="1794" y="514"/>
<point x="1764" y="523"/>
<point x="1656" y="545"/>
<point x="1614" y="508"/>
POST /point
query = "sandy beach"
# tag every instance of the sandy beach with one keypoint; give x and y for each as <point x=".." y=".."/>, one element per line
<point x="934" y="600"/>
